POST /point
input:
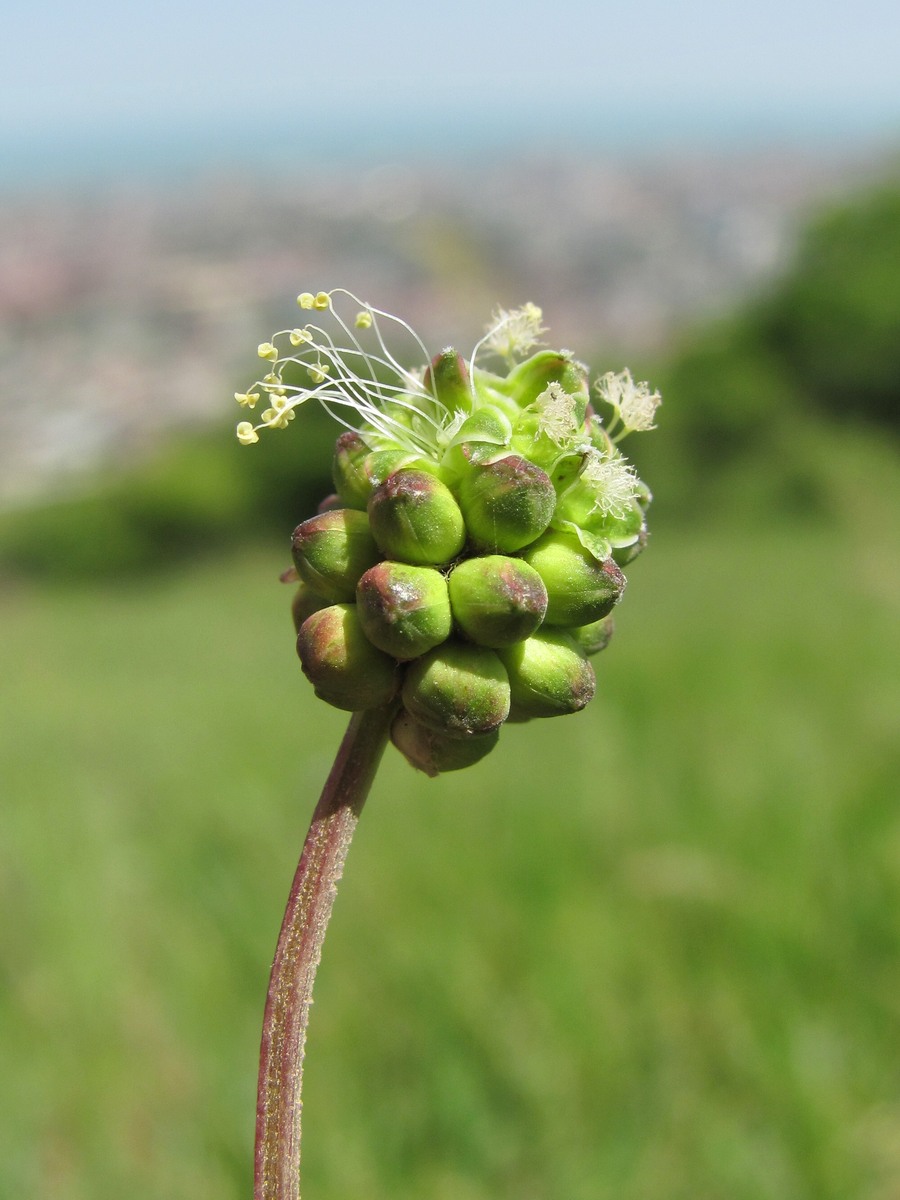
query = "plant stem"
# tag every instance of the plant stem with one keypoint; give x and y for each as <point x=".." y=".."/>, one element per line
<point x="279" y="1104"/>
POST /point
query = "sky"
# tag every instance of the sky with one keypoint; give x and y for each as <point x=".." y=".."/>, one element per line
<point x="239" y="69"/>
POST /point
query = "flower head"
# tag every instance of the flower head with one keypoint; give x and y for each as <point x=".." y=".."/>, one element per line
<point x="480" y="518"/>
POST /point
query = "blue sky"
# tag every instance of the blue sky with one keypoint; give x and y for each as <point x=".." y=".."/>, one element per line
<point x="70" y="69"/>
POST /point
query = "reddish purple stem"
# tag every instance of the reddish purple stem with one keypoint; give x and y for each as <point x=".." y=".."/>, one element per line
<point x="279" y="1104"/>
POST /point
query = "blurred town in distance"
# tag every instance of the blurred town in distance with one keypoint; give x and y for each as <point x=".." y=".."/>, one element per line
<point x="131" y="308"/>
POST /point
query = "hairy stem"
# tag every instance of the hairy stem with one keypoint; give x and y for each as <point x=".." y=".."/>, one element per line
<point x="279" y="1104"/>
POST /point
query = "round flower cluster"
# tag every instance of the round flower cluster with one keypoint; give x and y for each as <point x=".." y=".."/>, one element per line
<point x="467" y="565"/>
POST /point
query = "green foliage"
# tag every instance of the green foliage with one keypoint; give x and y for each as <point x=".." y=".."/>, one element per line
<point x="647" y="953"/>
<point x="199" y="494"/>
<point x="745" y="399"/>
<point x="835" y="322"/>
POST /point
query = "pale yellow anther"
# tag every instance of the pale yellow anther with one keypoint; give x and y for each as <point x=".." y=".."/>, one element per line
<point x="318" y="372"/>
<point x="270" y="379"/>
<point x="246" y="434"/>
<point x="277" y="418"/>
<point x="364" y="320"/>
<point x="246" y="399"/>
<point x="267" y="350"/>
<point x="322" y="300"/>
<point x="306" y="300"/>
<point x="299" y="336"/>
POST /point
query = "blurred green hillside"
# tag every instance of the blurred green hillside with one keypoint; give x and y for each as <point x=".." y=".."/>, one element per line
<point x="649" y="952"/>
<point x="753" y="401"/>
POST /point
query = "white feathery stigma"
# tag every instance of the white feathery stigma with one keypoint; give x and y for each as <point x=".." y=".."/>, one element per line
<point x="633" y="403"/>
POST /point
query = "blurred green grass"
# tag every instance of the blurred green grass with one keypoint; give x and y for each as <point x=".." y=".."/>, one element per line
<point x="650" y="952"/>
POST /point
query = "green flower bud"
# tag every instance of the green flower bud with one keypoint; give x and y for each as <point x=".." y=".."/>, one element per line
<point x="506" y="503"/>
<point x="305" y="603"/>
<point x="548" y="675"/>
<point x="497" y="600"/>
<point x="332" y="550"/>
<point x="591" y="639"/>
<point x="404" y="610"/>
<point x="579" y="588"/>
<point x="434" y="752"/>
<point x="448" y="377"/>
<point x="533" y="376"/>
<point x="457" y="689"/>
<point x="348" y="470"/>
<point x="578" y="504"/>
<point x="340" y="662"/>
<point x="414" y="519"/>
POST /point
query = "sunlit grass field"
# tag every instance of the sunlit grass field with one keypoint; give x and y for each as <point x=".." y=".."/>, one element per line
<point x="651" y="952"/>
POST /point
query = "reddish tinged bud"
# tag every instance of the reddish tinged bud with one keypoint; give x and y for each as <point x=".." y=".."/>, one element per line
<point x="497" y="600"/>
<point x="457" y="689"/>
<point x="404" y="610"/>
<point x="579" y="588"/>
<point x="434" y="752"/>
<point x="332" y="550"/>
<point x="331" y="503"/>
<point x="414" y="519"/>
<point x="305" y="603"/>
<point x="448" y="377"/>
<point x="506" y="503"/>
<point x="548" y="675"/>
<point x="348" y="470"/>
<point x="341" y="663"/>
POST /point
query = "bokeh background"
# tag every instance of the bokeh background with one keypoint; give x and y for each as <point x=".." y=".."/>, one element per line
<point x="646" y="953"/>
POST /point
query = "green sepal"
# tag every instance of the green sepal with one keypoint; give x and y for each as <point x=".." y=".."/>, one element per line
<point x="564" y="470"/>
<point x="625" y="554"/>
<point x="488" y="424"/>
<point x="490" y="392"/>
<point x="381" y="464"/>
<point x="595" y="544"/>
<point x="614" y="532"/>
<point x="477" y="440"/>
